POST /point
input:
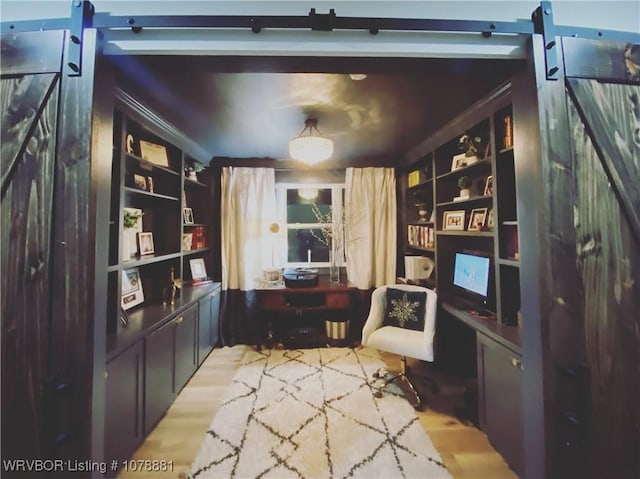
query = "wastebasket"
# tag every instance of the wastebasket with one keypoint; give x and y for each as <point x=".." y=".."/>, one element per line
<point x="337" y="331"/>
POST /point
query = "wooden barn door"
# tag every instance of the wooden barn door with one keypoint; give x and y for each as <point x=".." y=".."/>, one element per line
<point x="46" y="249"/>
<point x="590" y="308"/>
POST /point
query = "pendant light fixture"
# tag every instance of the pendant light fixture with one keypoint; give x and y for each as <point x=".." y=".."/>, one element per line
<point x="310" y="145"/>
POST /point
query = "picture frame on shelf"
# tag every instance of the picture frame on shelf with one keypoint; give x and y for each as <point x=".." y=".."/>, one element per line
<point x="490" y="219"/>
<point x="145" y="243"/>
<point x="459" y="161"/>
<point x="154" y="153"/>
<point x="453" y="220"/>
<point x="140" y="182"/>
<point x="187" y="239"/>
<point x="477" y="219"/>
<point x="132" y="292"/>
<point x="187" y="214"/>
<point x="488" y="186"/>
<point x="198" y="269"/>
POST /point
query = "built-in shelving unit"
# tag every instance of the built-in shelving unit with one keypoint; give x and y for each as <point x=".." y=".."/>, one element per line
<point x="481" y="221"/>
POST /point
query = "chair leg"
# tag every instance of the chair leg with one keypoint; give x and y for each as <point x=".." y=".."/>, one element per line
<point x="385" y="378"/>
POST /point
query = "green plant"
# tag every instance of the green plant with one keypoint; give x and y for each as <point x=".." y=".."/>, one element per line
<point x="464" y="182"/>
<point x="130" y="219"/>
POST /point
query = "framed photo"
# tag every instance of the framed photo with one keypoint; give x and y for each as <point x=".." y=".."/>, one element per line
<point x="187" y="238"/>
<point x="140" y="182"/>
<point x="488" y="186"/>
<point x="453" y="220"/>
<point x="198" y="268"/>
<point x="145" y="243"/>
<point x="459" y="161"/>
<point x="156" y="154"/>
<point x="490" y="220"/>
<point x="132" y="292"/>
<point x="477" y="219"/>
<point x="188" y="216"/>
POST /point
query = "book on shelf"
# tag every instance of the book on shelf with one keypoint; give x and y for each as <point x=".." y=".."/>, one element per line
<point x="415" y="177"/>
<point x="422" y="236"/>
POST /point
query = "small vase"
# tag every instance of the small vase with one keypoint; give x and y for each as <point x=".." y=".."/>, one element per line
<point x="334" y="269"/>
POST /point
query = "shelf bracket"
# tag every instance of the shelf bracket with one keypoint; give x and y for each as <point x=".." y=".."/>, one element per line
<point x="542" y="19"/>
<point x="81" y="17"/>
<point x="322" y="22"/>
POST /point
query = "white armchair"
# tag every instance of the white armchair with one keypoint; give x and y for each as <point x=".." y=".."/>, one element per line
<point x="416" y="344"/>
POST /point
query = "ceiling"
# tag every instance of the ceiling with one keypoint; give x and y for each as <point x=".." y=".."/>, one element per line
<point x="250" y="107"/>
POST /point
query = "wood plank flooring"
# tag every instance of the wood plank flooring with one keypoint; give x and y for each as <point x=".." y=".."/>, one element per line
<point x="465" y="450"/>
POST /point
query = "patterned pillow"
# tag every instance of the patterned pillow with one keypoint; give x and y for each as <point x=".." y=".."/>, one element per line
<point x="405" y="309"/>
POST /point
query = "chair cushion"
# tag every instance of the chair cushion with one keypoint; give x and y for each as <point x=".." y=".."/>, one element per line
<point x="405" y="309"/>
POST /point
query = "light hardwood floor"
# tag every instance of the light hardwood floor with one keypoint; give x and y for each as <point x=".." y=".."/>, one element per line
<point x="465" y="450"/>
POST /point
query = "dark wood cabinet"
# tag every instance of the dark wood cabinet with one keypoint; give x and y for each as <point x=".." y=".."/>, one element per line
<point x="124" y="403"/>
<point x="159" y="374"/>
<point x="209" y="315"/>
<point x="185" y="359"/>
<point x="501" y="406"/>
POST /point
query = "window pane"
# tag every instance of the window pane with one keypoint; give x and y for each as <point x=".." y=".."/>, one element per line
<point x="300" y="201"/>
<point x="300" y="241"/>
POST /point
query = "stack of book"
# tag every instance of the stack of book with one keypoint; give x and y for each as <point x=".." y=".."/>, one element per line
<point x="422" y="236"/>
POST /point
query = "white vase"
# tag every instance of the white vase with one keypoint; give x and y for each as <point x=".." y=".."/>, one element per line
<point x="464" y="193"/>
<point x="334" y="269"/>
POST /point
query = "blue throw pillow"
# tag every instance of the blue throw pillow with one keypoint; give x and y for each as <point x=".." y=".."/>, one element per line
<point x="405" y="309"/>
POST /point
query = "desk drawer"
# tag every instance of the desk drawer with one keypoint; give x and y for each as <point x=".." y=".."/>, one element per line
<point x="272" y="302"/>
<point x="339" y="300"/>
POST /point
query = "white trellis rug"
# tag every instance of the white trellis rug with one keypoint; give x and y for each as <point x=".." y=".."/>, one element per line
<point x="312" y="414"/>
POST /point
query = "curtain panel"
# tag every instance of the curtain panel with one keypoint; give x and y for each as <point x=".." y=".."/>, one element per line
<point x="371" y="226"/>
<point x="248" y="207"/>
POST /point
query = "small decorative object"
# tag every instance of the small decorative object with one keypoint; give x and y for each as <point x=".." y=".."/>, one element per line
<point x="140" y="182"/>
<point x="150" y="184"/>
<point x="187" y="214"/>
<point x="453" y="220"/>
<point x="192" y="169"/>
<point x="187" y="238"/>
<point x="132" y="292"/>
<point x="477" y="219"/>
<point x="490" y="219"/>
<point x="132" y="225"/>
<point x="471" y="147"/>
<point x="198" y="268"/>
<point x="169" y="292"/>
<point x="130" y="144"/>
<point x="420" y="204"/>
<point x="488" y="186"/>
<point x="124" y="317"/>
<point x="464" y="183"/>
<point x="156" y="154"/>
<point x="145" y="243"/>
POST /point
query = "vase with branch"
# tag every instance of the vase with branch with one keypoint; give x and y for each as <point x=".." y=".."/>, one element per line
<point x="331" y="236"/>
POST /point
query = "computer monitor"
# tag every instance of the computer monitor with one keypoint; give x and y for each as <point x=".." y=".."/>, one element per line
<point x="471" y="274"/>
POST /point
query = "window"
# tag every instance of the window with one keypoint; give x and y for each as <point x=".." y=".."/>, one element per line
<point x="311" y="213"/>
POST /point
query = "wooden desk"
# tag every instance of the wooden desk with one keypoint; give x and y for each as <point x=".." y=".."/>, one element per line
<point x="281" y="309"/>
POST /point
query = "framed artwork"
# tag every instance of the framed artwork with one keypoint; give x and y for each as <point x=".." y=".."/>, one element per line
<point x="188" y="216"/>
<point x="140" y="181"/>
<point x="132" y="292"/>
<point x="477" y="219"/>
<point x="488" y="186"/>
<point x="145" y="243"/>
<point x="187" y="238"/>
<point x="453" y="220"/>
<point x="490" y="219"/>
<point x="156" y="154"/>
<point x="459" y="161"/>
<point x="198" y="268"/>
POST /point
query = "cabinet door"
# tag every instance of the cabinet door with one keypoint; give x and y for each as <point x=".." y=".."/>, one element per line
<point x="186" y="342"/>
<point x="208" y="316"/>
<point x="123" y="404"/>
<point x="501" y="417"/>
<point x="159" y="373"/>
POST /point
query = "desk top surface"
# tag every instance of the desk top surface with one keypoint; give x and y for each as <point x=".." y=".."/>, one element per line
<point x="324" y="285"/>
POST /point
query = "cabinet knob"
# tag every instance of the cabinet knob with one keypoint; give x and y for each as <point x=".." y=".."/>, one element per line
<point x="179" y="319"/>
<point x="516" y="363"/>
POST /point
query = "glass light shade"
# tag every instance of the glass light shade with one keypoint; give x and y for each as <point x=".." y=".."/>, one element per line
<point x="310" y="145"/>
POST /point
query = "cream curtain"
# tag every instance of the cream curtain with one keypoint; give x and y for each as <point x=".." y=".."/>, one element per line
<point x="371" y="226"/>
<point x="248" y="208"/>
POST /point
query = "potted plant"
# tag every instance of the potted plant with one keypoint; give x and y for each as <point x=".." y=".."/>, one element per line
<point x="464" y="183"/>
<point x="192" y="169"/>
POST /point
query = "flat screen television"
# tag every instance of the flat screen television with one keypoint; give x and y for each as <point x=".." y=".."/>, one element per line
<point x="471" y="274"/>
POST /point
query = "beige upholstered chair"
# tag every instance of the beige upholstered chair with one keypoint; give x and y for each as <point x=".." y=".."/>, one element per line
<point x="405" y="342"/>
